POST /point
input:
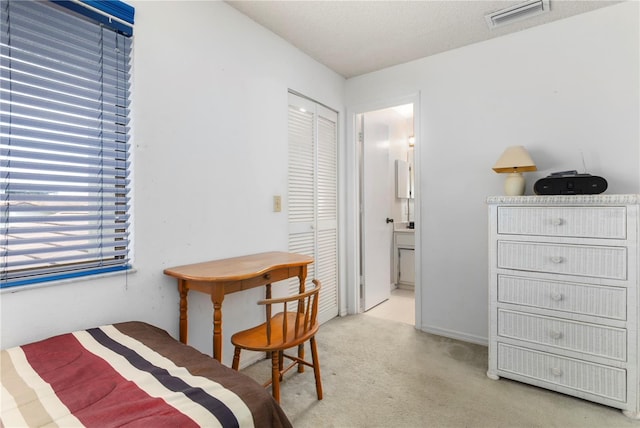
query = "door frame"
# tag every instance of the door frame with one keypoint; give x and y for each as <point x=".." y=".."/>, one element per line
<point x="351" y="292"/>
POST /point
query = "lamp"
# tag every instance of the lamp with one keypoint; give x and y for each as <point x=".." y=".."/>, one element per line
<point x="515" y="160"/>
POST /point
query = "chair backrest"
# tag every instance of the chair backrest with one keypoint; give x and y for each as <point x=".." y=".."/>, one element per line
<point x="303" y="316"/>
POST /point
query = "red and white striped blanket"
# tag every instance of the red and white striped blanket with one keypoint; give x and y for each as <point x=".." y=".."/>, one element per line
<point x="129" y="374"/>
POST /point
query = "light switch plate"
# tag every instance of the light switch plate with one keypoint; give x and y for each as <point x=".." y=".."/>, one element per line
<point x="277" y="203"/>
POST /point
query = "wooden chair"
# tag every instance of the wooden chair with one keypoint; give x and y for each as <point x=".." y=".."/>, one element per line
<point x="285" y="330"/>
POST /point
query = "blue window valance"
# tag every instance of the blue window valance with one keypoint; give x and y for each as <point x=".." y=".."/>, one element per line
<point x="115" y="14"/>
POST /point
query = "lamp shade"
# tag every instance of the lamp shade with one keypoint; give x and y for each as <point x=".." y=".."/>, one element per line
<point x="515" y="159"/>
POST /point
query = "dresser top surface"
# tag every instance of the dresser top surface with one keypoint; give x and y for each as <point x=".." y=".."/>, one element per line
<point x="601" y="199"/>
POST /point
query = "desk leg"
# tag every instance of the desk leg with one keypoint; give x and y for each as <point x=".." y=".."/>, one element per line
<point x="216" y="298"/>
<point x="267" y="295"/>
<point x="184" y="323"/>
<point x="303" y="278"/>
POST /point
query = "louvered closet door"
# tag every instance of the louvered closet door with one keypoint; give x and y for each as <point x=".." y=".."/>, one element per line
<point x="313" y="196"/>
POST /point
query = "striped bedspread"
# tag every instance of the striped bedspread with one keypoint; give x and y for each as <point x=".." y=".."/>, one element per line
<point x="129" y="374"/>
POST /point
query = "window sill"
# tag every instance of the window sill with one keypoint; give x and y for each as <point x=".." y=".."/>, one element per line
<point x="57" y="282"/>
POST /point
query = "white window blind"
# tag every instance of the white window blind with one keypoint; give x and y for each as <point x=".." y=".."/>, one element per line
<point x="64" y="144"/>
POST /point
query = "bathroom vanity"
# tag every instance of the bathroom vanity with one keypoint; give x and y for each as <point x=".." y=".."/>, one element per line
<point x="404" y="256"/>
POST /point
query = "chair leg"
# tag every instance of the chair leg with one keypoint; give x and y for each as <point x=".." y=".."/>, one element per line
<point x="316" y="367"/>
<point x="275" y="375"/>
<point x="236" y="359"/>
<point x="301" y="356"/>
<point x="280" y="363"/>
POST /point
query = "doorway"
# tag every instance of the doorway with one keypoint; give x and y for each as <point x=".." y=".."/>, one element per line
<point x="385" y="141"/>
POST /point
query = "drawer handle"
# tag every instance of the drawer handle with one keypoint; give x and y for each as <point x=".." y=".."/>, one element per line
<point x="555" y="334"/>
<point x="267" y="276"/>
<point x="556" y="296"/>
<point x="557" y="222"/>
<point x="557" y="259"/>
<point x="556" y="371"/>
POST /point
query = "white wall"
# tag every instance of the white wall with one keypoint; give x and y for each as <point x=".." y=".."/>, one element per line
<point x="398" y="150"/>
<point x="210" y="151"/>
<point x="563" y="89"/>
<point x="399" y="131"/>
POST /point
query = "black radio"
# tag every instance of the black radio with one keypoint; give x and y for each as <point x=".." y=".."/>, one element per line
<point x="570" y="183"/>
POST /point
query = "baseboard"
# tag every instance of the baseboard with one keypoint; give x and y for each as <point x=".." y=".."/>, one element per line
<point x="452" y="334"/>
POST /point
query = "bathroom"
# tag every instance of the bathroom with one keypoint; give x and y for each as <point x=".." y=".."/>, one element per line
<point x="387" y="178"/>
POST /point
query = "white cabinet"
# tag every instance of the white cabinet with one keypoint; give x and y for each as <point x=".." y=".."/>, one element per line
<point x="563" y="295"/>
<point x="404" y="258"/>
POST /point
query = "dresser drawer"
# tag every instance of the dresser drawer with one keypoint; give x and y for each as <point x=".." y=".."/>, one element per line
<point x="585" y="222"/>
<point x="582" y="260"/>
<point x="549" y="369"/>
<point x="595" y="300"/>
<point x="594" y="339"/>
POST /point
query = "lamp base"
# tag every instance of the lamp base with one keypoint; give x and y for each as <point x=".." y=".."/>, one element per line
<point x="514" y="184"/>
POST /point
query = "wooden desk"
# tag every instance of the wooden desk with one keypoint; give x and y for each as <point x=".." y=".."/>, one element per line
<point x="220" y="277"/>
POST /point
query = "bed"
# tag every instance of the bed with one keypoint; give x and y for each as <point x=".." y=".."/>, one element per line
<point x="127" y="374"/>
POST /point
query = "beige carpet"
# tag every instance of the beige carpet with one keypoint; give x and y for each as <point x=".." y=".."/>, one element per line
<point x="401" y="306"/>
<point x="379" y="373"/>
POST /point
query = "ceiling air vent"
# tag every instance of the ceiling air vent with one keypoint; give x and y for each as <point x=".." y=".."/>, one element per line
<point x="516" y="13"/>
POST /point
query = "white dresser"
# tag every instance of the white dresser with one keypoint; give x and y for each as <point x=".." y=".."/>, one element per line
<point x="563" y="295"/>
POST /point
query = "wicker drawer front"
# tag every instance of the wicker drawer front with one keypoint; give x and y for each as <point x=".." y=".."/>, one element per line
<point x="603" y="341"/>
<point x="593" y="261"/>
<point x="585" y="222"/>
<point x="604" y="381"/>
<point x="609" y="302"/>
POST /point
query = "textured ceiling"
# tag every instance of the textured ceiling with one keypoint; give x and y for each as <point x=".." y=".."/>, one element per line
<point x="357" y="37"/>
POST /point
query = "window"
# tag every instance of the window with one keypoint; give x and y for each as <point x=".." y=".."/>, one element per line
<point x="64" y="149"/>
